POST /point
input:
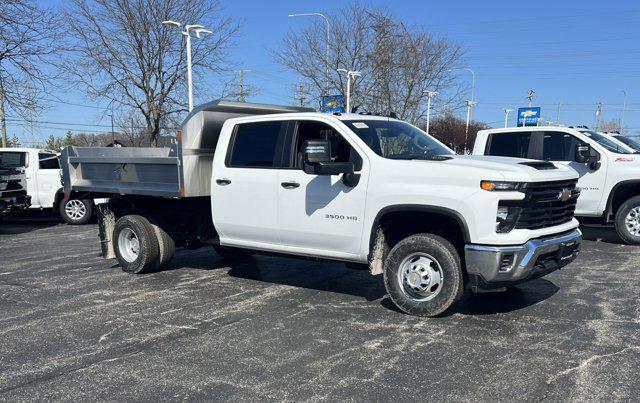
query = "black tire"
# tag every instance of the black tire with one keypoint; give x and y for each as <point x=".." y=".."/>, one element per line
<point x="166" y="245"/>
<point x="228" y="253"/>
<point x="76" y="211"/>
<point x="147" y="258"/>
<point x="447" y="268"/>
<point x="620" y="220"/>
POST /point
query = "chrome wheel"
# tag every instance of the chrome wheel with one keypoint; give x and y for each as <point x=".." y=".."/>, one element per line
<point x="420" y="277"/>
<point x="632" y="221"/>
<point x="75" y="209"/>
<point x="128" y="245"/>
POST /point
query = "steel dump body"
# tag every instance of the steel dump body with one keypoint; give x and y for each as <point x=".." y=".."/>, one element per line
<point x="182" y="170"/>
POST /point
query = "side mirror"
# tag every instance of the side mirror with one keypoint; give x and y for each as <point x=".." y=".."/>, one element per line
<point x="583" y="153"/>
<point x="586" y="155"/>
<point x="316" y="159"/>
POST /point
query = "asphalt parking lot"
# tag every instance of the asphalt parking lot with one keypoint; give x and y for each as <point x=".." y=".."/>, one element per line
<point x="74" y="326"/>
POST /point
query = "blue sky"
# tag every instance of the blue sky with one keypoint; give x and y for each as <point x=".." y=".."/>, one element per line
<point x="574" y="52"/>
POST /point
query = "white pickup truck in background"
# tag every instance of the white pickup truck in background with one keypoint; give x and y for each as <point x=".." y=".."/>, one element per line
<point x="609" y="171"/>
<point x="43" y="185"/>
<point x="13" y="182"/>
<point x="363" y="189"/>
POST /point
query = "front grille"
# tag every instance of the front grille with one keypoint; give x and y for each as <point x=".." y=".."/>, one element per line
<point x="542" y="206"/>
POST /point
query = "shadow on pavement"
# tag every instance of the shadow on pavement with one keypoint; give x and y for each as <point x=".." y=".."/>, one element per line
<point x="606" y="234"/>
<point x="28" y="221"/>
<point x="515" y="298"/>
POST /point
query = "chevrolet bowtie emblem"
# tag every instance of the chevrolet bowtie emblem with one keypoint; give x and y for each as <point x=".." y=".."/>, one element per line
<point x="564" y="195"/>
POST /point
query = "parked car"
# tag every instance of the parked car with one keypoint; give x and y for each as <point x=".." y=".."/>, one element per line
<point x="367" y="190"/>
<point x="13" y="193"/>
<point x="609" y="174"/>
<point x="44" y="187"/>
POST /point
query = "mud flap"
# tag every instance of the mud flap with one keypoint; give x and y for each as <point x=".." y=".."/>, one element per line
<point x="106" y="224"/>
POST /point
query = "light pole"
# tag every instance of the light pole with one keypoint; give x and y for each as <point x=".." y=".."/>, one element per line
<point x="328" y="38"/>
<point x="197" y="29"/>
<point x="506" y="116"/>
<point x="624" y="106"/>
<point x="430" y="94"/>
<point x="598" y="113"/>
<point x="469" y="103"/>
<point x="466" y="130"/>
<point x="350" y="73"/>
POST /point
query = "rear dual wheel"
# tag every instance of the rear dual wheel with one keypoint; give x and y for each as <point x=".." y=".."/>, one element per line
<point x="140" y="246"/>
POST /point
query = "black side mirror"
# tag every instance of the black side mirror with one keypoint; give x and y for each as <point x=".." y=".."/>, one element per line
<point x="583" y="153"/>
<point x="316" y="159"/>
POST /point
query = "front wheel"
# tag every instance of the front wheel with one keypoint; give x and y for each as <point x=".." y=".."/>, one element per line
<point x="76" y="211"/>
<point x="423" y="275"/>
<point x="627" y="221"/>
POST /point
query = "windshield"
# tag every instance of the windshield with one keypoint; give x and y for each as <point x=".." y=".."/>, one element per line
<point x="397" y="140"/>
<point x="631" y="142"/>
<point x="605" y="142"/>
<point x="12" y="159"/>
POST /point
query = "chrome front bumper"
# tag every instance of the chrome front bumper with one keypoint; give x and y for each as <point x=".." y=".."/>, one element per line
<point x="497" y="266"/>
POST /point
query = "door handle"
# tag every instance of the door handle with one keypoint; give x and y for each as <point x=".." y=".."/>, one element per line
<point x="223" y="182"/>
<point x="290" y="185"/>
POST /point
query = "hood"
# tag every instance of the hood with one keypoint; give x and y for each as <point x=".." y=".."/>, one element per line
<point x="513" y="169"/>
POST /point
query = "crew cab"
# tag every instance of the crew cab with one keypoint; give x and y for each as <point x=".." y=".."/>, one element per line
<point x="43" y="185"/>
<point x="368" y="190"/>
<point x="13" y="193"/>
<point x="609" y="170"/>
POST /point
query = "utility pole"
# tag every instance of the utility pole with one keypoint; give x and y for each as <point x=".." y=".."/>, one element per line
<point x="466" y="130"/>
<point x="328" y="39"/>
<point x="350" y="74"/>
<point x="430" y="94"/>
<point x="558" y="114"/>
<point x="241" y="92"/>
<point x="530" y="96"/>
<point x="598" y="113"/>
<point x="3" y="121"/>
<point x="113" y="133"/>
<point x="300" y="96"/>
<point x="506" y="116"/>
<point x="624" y="106"/>
<point x="198" y="30"/>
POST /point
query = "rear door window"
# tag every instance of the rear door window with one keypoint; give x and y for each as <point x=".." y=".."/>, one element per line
<point x="257" y="145"/>
<point x="48" y="161"/>
<point x="510" y="144"/>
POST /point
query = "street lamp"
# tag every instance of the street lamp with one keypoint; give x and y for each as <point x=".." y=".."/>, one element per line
<point x="197" y="30"/>
<point x="350" y="74"/>
<point x="430" y="94"/>
<point x="506" y="116"/>
<point x="326" y="60"/>
<point x="470" y="103"/>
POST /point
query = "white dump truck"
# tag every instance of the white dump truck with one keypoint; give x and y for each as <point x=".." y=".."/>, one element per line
<point x="367" y="190"/>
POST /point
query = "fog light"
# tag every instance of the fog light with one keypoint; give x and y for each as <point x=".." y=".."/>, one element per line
<point x="506" y="218"/>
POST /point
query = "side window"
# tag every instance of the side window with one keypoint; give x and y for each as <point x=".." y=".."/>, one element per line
<point x="510" y="144"/>
<point x="559" y="146"/>
<point x="48" y="161"/>
<point x="255" y="145"/>
<point x="341" y="150"/>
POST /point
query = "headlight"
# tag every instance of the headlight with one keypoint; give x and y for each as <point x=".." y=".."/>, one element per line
<point x="506" y="218"/>
<point x="496" y="186"/>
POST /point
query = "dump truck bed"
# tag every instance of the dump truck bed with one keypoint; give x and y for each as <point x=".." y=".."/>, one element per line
<point x="182" y="170"/>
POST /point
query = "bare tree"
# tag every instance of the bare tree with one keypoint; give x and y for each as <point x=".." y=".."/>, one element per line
<point x="450" y="130"/>
<point x="398" y="63"/>
<point x="28" y="39"/>
<point x="123" y="53"/>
